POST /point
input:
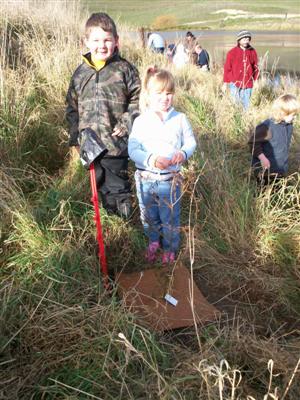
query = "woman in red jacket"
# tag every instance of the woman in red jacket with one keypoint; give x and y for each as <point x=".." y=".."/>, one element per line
<point x="241" y="69"/>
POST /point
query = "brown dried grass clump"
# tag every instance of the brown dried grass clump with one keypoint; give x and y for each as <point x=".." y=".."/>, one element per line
<point x="164" y="22"/>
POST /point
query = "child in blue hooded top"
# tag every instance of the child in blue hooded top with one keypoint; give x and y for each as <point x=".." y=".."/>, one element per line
<point x="161" y="140"/>
<point x="270" y="143"/>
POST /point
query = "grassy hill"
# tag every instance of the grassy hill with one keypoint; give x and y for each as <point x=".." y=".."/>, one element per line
<point x="203" y="14"/>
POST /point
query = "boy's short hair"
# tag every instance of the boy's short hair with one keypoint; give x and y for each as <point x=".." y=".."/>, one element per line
<point x="100" y="20"/>
<point x="285" y="105"/>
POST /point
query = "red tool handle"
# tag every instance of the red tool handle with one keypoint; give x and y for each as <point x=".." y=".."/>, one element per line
<point x="95" y="201"/>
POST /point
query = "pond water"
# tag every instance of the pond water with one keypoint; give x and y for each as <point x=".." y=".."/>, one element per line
<point x="276" y="50"/>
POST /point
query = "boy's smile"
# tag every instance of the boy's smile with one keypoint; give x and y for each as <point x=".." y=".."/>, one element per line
<point x="101" y="44"/>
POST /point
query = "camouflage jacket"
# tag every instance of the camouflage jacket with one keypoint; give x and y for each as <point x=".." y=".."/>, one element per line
<point x="103" y="100"/>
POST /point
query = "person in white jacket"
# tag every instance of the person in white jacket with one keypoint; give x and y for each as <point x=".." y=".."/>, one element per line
<point x="161" y="140"/>
<point x="156" y="42"/>
<point x="181" y="57"/>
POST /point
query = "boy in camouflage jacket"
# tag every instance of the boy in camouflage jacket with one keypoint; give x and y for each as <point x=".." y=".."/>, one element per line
<point x="103" y="95"/>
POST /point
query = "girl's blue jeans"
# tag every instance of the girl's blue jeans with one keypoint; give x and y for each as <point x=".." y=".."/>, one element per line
<point x="159" y="203"/>
<point x="241" y="95"/>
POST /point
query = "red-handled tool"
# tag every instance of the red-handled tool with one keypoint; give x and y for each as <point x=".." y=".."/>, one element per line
<point x="101" y="254"/>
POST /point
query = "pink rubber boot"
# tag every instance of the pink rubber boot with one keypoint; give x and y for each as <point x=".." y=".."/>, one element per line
<point x="168" y="257"/>
<point x="151" y="251"/>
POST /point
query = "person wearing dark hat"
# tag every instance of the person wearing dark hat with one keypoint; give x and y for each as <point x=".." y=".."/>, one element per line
<point x="241" y="69"/>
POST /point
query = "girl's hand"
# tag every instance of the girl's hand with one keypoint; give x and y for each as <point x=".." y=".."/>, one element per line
<point x="162" y="162"/>
<point x="178" y="158"/>
<point x="265" y="163"/>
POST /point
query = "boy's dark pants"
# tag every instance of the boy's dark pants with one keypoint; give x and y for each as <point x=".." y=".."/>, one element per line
<point x="265" y="178"/>
<point x="113" y="185"/>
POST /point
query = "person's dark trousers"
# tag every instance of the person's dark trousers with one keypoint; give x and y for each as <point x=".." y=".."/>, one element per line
<point x="265" y="179"/>
<point x="159" y="50"/>
<point x="113" y="185"/>
<point x="272" y="179"/>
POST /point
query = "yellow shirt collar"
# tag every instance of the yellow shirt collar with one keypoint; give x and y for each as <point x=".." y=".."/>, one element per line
<point x="98" y="64"/>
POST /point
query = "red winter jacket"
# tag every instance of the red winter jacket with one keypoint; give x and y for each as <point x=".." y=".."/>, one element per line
<point x="241" y="67"/>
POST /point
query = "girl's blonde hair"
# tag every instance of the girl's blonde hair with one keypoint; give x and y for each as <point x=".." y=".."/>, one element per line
<point x="285" y="105"/>
<point x="157" y="79"/>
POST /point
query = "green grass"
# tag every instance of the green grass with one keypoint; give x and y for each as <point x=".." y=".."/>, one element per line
<point x="144" y="13"/>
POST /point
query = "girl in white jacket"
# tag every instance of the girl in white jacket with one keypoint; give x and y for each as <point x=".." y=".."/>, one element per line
<point x="161" y="140"/>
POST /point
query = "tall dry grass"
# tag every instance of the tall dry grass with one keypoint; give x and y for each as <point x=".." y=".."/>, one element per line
<point x="61" y="335"/>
